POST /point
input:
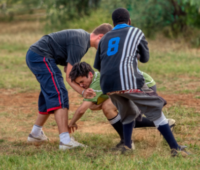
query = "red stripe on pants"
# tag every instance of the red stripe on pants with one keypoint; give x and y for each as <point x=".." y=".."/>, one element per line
<point x="53" y="80"/>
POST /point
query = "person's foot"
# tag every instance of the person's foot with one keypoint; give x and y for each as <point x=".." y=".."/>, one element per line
<point x="171" y="122"/>
<point x="125" y="150"/>
<point x="72" y="144"/>
<point x="121" y="145"/>
<point x="37" y="139"/>
<point x="181" y="151"/>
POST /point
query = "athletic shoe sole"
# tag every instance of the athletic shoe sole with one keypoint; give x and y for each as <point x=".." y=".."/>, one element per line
<point x="36" y="141"/>
<point x="71" y="145"/>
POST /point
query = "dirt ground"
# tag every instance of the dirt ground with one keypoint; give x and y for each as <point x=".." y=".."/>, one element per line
<point x="29" y="99"/>
<point x="18" y="103"/>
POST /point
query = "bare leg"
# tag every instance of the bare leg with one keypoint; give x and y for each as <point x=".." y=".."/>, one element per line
<point x="96" y="107"/>
<point x="109" y="109"/>
<point x="37" y="129"/>
<point x="41" y="119"/>
<point x="61" y="117"/>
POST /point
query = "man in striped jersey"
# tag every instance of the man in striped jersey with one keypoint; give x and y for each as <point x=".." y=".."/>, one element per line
<point x="83" y="75"/>
<point x="116" y="59"/>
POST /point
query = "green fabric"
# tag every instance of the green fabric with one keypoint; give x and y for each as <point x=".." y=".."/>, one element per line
<point x="95" y="85"/>
<point x="100" y="97"/>
<point x="149" y="81"/>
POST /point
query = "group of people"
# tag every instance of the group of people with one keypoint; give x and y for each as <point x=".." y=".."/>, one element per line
<point x="120" y="89"/>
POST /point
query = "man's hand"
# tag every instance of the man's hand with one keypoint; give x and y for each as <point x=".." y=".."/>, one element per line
<point x="89" y="93"/>
<point x="138" y="56"/>
<point x="72" y="127"/>
<point x="78" y="114"/>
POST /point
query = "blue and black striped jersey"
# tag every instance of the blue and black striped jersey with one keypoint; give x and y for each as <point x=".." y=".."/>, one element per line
<point x="116" y="58"/>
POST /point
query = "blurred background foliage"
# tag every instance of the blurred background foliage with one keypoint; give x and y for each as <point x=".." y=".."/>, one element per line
<point x="171" y="17"/>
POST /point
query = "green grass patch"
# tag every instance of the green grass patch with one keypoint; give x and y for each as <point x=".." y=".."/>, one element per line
<point x="151" y="152"/>
<point x="173" y="72"/>
<point x="171" y="65"/>
<point x="166" y="70"/>
<point x="13" y="48"/>
<point x="184" y="91"/>
<point x="19" y="155"/>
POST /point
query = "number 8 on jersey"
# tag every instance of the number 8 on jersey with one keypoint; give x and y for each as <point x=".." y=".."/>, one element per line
<point x="113" y="46"/>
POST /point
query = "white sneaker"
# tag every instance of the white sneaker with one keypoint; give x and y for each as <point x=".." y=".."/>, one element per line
<point x="72" y="144"/>
<point x="37" y="139"/>
<point x="171" y="122"/>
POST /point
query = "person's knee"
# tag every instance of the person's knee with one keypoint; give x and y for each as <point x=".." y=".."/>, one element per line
<point x="61" y="112"/>
<point x="105" y="109"/>
<point x="96" y="107"/>
<point x="109" y="111"/>
<point x="160" y="121"/>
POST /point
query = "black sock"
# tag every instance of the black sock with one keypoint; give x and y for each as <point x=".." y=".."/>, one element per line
<point x="128" y="129"/>
<point x="168" y="135"/>
<point x="117" y="125"/>
<point x="144" y="123"/>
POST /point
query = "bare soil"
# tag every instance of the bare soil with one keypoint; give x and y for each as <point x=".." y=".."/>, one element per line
<point x="188" y="100"/>
<point x="21" y="106"/>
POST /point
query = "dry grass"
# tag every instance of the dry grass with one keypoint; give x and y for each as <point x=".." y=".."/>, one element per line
<point x="21" y="33"/>
<point x="28" y="32"/>
<point x="16" y="37"/>
<point x="162" y="44"/>
<point x="151" y="151"/>
<point x="20" y="27"/>
<point x="19" y="110"/>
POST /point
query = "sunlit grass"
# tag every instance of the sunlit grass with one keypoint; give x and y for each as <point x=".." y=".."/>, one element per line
<point x="173" y="65"/>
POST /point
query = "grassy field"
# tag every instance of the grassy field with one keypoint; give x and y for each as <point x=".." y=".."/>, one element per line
<point x="173" y="65"/>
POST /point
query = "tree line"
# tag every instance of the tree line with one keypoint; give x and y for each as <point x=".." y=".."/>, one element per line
<point x="149" y="15"/>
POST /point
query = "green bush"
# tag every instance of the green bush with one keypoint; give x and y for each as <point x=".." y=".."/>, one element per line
<point x="60" y="12"/>
<point x="154" y="15"/>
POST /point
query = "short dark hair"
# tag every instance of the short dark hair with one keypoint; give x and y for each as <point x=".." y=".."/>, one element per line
<point x="80" y="69"/>
<point x="120" y="15"/>
<point x="102" y="29"/>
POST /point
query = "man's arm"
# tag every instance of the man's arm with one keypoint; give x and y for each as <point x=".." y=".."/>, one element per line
<point x="79" y="113"/>
<point x="143" y="50"/>
<point x="88" y="93"/>
<point x="75" y="86"/>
